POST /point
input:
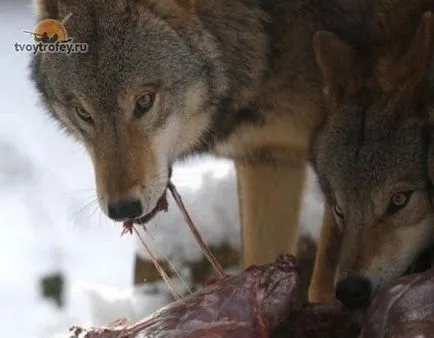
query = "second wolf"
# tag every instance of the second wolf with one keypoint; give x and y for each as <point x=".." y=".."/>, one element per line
<point x="371" y="154"/>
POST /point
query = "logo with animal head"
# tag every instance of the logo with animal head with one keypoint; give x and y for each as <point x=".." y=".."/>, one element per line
<point x="50" y="31"/>
<point x="51" y="36"/>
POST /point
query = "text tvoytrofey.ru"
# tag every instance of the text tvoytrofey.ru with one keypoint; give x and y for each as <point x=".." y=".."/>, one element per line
<point x="57" y="47"/>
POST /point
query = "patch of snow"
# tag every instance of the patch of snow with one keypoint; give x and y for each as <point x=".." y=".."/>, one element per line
<point x="210" y="196"/>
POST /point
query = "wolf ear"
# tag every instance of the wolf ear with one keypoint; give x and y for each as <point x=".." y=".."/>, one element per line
<point x="175" y="12"/>
<point x="409" y="69"/>
<point x="46" y="8"/>
<point x="339" y="63"/>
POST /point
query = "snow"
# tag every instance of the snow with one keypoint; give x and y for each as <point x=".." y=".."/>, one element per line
<point x="50" y="221"/>
<point x="217" y="219"/>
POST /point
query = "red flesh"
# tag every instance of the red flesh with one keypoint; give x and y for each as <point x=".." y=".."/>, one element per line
<point x="162" y="205"/>
<point x="248" y="305"/>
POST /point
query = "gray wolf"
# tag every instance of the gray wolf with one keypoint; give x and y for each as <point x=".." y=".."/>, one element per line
<point x="371" y="157"/>
<point x="166" y="79"/>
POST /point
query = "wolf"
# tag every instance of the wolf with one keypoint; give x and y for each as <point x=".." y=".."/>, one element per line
<point x="372" y="157"/>
<point x="241" y="79"/>
<point x="164" y="80"/>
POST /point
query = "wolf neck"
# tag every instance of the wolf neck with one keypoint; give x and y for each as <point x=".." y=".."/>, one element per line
<point x="254" y="42"/>
<point x="250" y="37"/>
<point x="236" y="29"/>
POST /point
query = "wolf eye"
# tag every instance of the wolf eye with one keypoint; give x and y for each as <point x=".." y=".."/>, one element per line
<point x="144" y="104"/>
<point x="338" y="211"/>
<point x="399" y="201"/>
<point x="83" y="114"/>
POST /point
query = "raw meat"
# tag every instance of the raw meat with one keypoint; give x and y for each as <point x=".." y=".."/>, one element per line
<point x="251" y="304"/>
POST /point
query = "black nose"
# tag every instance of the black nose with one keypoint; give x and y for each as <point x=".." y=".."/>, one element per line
<point x="125" y="209"/>
<point x="354" y="292"/>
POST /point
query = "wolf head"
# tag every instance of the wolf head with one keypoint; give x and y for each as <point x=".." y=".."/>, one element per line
<point x="370" y="155"/>
<point x="147" y="90"/>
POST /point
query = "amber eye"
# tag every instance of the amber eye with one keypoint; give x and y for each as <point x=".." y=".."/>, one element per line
<point x="399" y="201"/>
<point x="83" y="114"/>
<point x="144" y="104"/>
<point x="338" y="211"/>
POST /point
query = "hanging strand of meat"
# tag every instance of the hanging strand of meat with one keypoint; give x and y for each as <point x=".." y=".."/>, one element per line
<point x="206" y="251"/>
<point x="167" y="260"/>
<point x="160" y="269"/>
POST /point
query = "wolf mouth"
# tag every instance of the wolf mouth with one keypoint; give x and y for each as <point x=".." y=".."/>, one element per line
<point x="161" y="205"/>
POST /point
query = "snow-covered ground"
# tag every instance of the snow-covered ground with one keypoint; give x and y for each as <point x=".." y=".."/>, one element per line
<point x="50" y="222"/>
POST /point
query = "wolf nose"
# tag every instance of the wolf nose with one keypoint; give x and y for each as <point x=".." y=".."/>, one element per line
<point x="354" y="292"/>
<point x="125" y="209"/>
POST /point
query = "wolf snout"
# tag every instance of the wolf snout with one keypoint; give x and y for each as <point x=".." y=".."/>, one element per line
<point x="125" y="209"/>
<point x="354" y="292"/>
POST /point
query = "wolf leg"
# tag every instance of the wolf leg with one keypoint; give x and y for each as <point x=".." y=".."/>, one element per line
<point x="321" y="289"/>
<point x="270" y="199"/>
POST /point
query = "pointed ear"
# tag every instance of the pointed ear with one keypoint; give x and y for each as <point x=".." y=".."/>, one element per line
<point x="45" y="9"/>
<point x="175" y="12"/>
<point x="339" y="64"/>
<point x="408" y="70"/>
